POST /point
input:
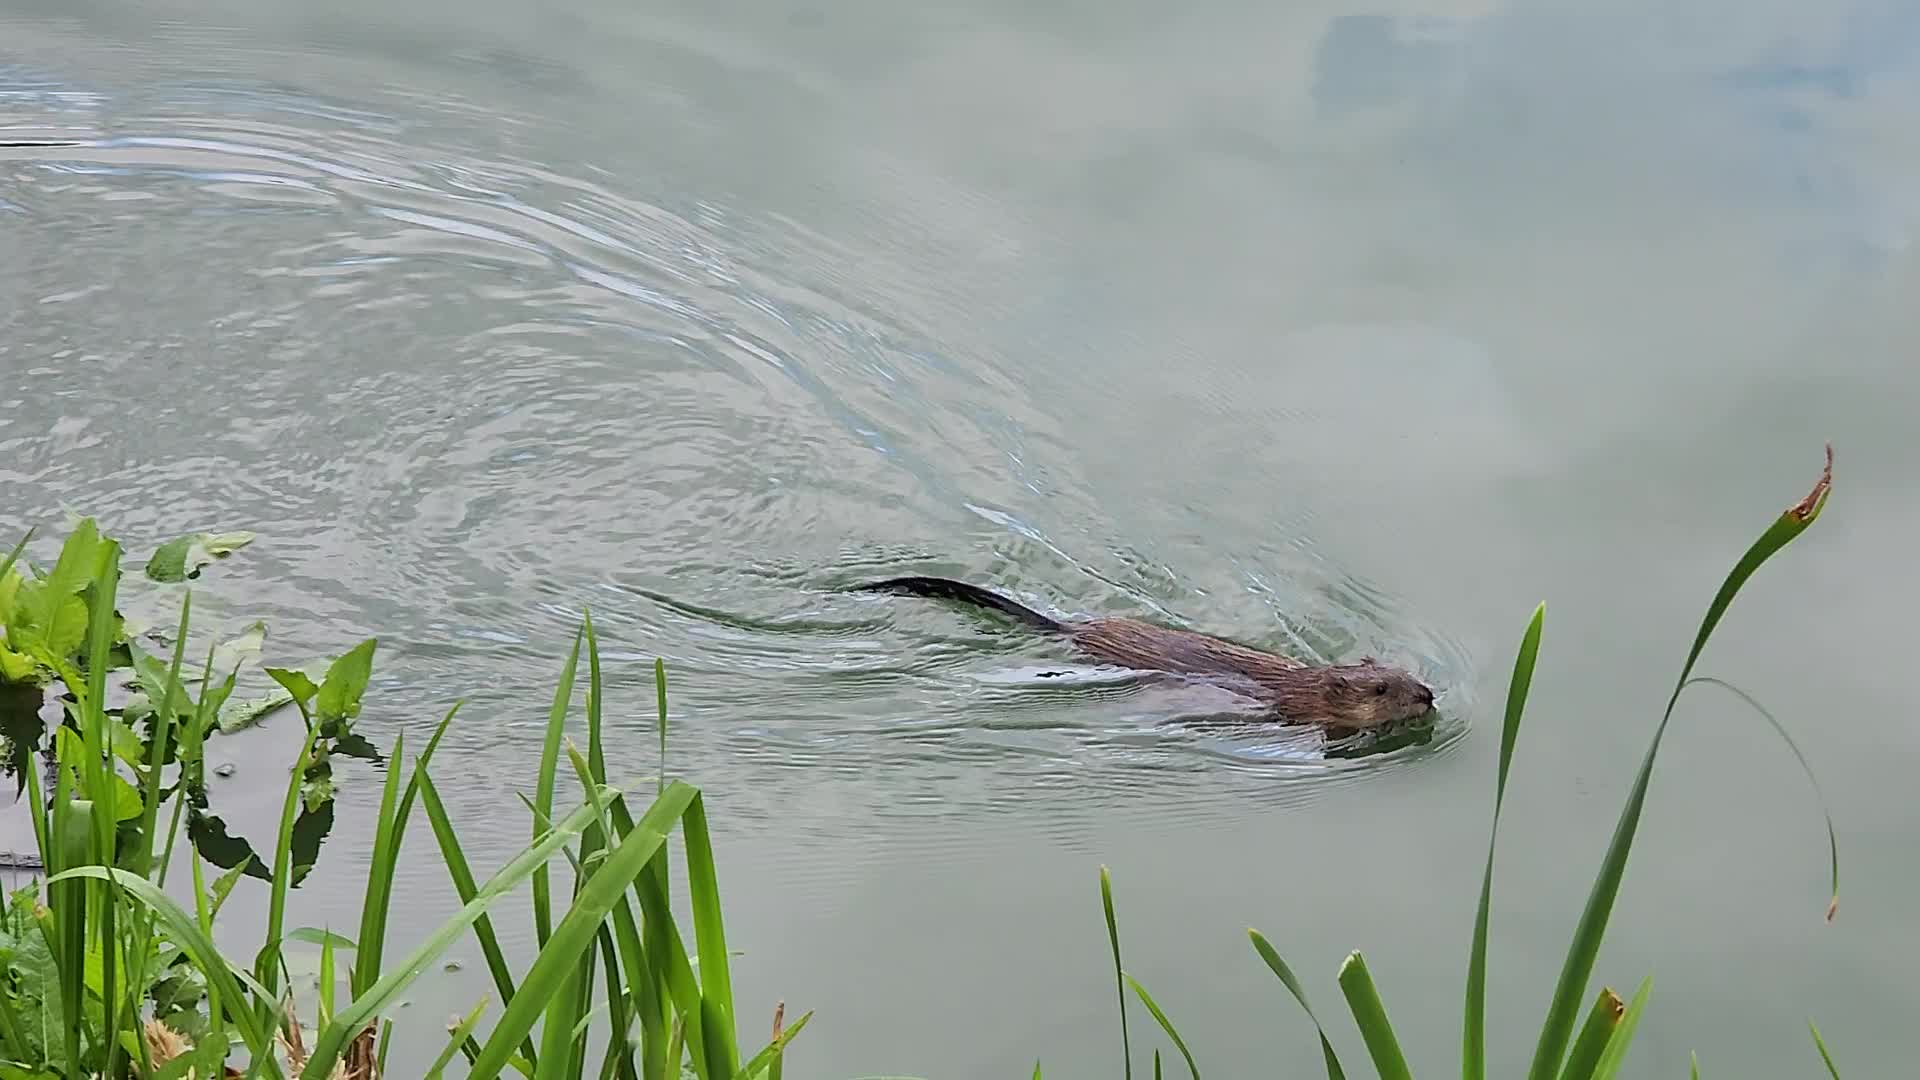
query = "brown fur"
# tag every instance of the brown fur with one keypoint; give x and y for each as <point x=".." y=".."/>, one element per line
<point x="1360" y="695"/>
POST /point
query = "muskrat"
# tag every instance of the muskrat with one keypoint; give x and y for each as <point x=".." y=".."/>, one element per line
<point x="1366" y="694"/>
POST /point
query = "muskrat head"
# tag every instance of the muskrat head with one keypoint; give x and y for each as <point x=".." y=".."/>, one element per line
<point x="1368" y="694"/>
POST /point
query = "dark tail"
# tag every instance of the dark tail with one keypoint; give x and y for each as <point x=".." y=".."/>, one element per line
<point x="946" y="589"/>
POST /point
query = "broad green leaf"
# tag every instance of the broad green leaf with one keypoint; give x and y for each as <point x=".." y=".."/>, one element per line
<point x="296" y="683"/>
<point x="1473" y="1041"/>
<point x="15" y="667"/>
<point x="1370" y="1016"/>
<point x="127" y="803"/>
<point x="1551" y="1048"/>
<point x="1285" y="975"/>
<point x="346" y="681"/>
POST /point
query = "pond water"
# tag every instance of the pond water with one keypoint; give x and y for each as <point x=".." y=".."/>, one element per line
<point x="1344" y="329"/>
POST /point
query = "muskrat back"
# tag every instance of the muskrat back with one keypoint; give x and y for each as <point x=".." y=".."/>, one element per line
<point x="1359" y="695"/>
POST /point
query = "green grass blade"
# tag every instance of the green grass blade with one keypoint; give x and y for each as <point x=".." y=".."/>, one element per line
<point x="1371" y="1017"/>
<point x="768" y="1059"/>
<point x="267" y="967"/>
<point x="1119" y="974"/>
<point x="703" y="887"/>
<point x="185" y="932"/>
<point x="1473" y="1040"/>
<point x="543" y="790"/>
<point x="1287" y="979"/>
<point x="1820" y="1044"/>
<point x="1166" y="1025"/>
<point x="464" y="887"/>
<point x="1618" y="1043"/>
<point x="13" y="556"/>
<point x="1592" y="1040"/>
<point x="1585" y="947"/>
<point x="675" y="971"/>
<point x="676" y="1050"/>
<point x="596" y="756"/>
<point x="327" y="978"/>
<point x="1156" y="1065"/>
<point x="559" y="958"/>
<point x="1833" y="843"/>
<point x="1694" y="1065"/>
<point x="333" y="1039"/>
<point x="373" y="908"/>
<point x="660" y="694"/>
<point x="390" y="832"/>
<point x="458" y="1038"/>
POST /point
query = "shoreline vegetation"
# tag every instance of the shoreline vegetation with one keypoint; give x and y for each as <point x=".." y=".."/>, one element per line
<point x="104" y="727"/>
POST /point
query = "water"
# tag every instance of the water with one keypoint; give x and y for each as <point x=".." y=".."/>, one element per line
<point x="1346" y="330"/>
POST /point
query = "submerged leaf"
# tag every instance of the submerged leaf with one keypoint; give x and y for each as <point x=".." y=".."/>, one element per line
<point x="245" y="713"/>
<point x="221" y="545"/>
<point x="168" y="564"/>
<point x="183" y="557"/>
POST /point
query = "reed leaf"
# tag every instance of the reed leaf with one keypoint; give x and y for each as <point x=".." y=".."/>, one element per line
<point x="465" y="888"/>
<point x="1166" y="1025"/>
<point x="703" y="887"/>
<point x="1119" y="973"/>
<point x="543" y="790"/>
<point x="558" y="959"/>
<point x="456" y="1040"/>
<point x="1473" y="1040"/>
<point x="1551" y="1048"/>
<point x="183" y="930"/>
<point x="1820" y="1044"/>
<point x="1592" y="1040"/>
<point x="768" y="1059"/>
<point x="1833" y="843"/>
<point x="1371" y="1018"/>
<point x="1621" y="1039"/>
<point x="1285" y="975"/>
<point x="333" y="1039"/>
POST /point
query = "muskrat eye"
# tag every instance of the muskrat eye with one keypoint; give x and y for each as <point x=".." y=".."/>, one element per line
<point x="1380" y="689"/>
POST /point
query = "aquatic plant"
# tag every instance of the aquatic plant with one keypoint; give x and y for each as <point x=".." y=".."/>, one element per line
<point x="1599" y="1046"/>
<point x="110" y="976"/>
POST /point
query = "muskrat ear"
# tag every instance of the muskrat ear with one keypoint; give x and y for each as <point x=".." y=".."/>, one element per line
<point x="1341" y="681"/>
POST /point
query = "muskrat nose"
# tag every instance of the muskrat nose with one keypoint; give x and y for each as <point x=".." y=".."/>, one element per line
<point x="1426" y="696"/>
